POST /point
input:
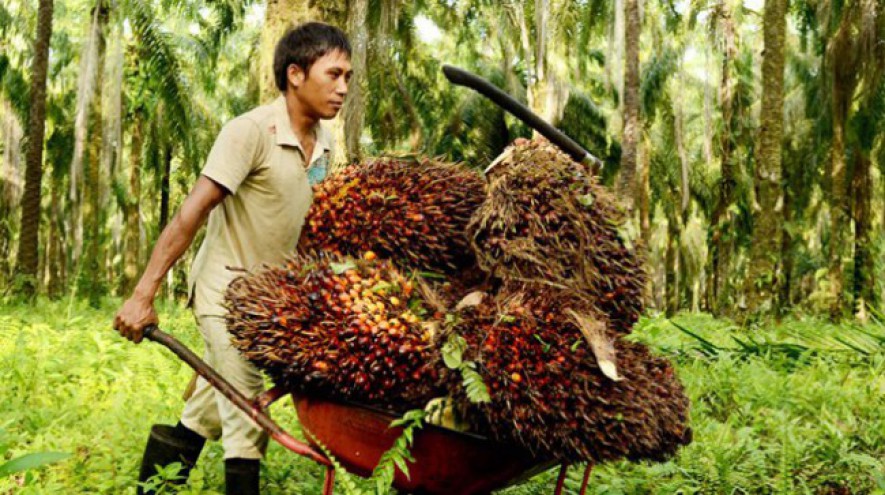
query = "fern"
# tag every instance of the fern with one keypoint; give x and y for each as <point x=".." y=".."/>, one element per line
<point x="477" y="391"/>
<point x="345" y="478"/>
<point x="398" y="455"/>
<point x="453" y="357"/>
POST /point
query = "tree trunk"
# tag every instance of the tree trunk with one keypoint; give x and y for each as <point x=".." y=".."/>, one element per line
<point x="708" y="110"/>
<point x="91" y="281"/>
<point x="844" y="80"/>
<point x="763" y="276"/>
<point x="353" y="112"/>
<point x="643" y="189"/>
<point x="89" y="81"/>
<point x="671" y="258"/>
<point x="864" y="287"/>
<point x="10" y="189"/>
<point x="627" y="186"/>
<point x="785" y="285"/>
<point x="615" y="61"/>
<point x="28" y="254"/>
<point x="54" y="246"/>
<point x="721" y="245"/>
<point x="132" y="210"/>
<point x="164" y="188"/>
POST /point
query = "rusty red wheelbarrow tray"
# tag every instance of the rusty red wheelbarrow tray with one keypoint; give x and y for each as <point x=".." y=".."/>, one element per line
<point x="446" y="462"/>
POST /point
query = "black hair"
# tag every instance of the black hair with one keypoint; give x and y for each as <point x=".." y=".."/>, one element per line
<point x="303" y="45"/>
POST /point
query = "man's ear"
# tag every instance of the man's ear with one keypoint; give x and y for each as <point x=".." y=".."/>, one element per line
<point x="295" y="75"/>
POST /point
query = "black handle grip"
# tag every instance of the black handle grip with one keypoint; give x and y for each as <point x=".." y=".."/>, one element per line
<point x="470" y="80"/>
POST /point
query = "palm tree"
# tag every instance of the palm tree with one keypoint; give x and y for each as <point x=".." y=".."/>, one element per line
<point x="853" y="60"/>
<point x="30" y="220"/>
<point x="763" y="276"/>
<point x="628" y="187"/>
<point x="353" y="113"/>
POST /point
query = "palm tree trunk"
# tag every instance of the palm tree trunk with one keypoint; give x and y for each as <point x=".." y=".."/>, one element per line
<point x="838" y="211"/>
<point x="91" y="275"/>
<point x="89" y="79"/>
<point x="133" y="207"/>
<point x="627" y="186"/>
<point x="843" y="75"/>
<point x="30" y="221"/>
<point x="721" y="245"/>
<point x="54" y="246"/>
<point x="785" y="285"/>
<point x="539" y="86"/>
<point x="164" y="188"/>
<point x="763" y="276"/>
<point x="10" y="188"/>
<point x="643" y="189"/>
<point x="671" y="259"/>
<point x="864" y="288"/>
<point x="353" y="112"/>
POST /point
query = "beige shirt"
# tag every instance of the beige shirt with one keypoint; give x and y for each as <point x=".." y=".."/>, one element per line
<point x="260" y="161"/>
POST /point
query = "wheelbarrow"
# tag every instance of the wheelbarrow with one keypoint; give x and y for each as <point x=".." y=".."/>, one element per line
<point x="446" y="462"/>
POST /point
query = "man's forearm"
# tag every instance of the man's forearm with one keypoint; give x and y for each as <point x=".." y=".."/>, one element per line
<point x="171" y="245"/>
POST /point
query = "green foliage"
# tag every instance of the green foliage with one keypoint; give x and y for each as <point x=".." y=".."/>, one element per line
<point x="453" y="357"/>
<point x="398" y="455"/>
<point x="31" y="461"/>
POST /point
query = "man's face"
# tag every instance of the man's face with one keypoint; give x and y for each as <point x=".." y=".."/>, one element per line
<point x="322" y="91"/>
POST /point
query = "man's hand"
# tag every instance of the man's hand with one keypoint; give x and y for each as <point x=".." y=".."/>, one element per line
<point x="135" y="314"/>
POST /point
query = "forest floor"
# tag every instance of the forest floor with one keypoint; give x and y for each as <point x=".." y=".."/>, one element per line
<point x="792" y="408"/>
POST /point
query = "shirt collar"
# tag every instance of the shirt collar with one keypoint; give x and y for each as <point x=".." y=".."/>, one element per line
<point x="285" y="136"/>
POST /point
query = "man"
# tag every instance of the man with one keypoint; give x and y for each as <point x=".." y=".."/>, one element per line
<point x="258" y="175"/>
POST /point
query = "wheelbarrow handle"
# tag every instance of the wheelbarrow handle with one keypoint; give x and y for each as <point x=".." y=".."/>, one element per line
<point x="254" y="410"/>
<point x="470" y="80"/>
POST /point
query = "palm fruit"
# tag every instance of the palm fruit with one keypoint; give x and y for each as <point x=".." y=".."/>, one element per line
<point x="546" y="221"/>
<point x="340" y="327"/>
<point x="413" y="212"/>
<point x="549" y="395"/>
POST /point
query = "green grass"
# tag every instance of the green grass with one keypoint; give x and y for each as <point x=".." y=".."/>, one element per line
<point x="767" y="417"/>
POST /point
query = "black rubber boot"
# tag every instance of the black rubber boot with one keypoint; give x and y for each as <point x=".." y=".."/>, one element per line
<point x="241" y="476"/>
<point x="168" y="444"/>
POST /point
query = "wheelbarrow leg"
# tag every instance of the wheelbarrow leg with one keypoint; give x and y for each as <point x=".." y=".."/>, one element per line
<point x="329" y="481"/>
<point x="586" y="478"/>
<point x="560" y="481"/>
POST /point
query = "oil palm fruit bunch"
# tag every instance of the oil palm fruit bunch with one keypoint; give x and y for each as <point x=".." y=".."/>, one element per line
<point x="340" y="327"/>
<point x="547" y="392"/>
<point x="547" y="221"/>
<point x="411" y="211"/>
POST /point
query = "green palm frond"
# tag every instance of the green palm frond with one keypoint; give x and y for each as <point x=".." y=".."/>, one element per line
<point x="160" y="61"/>
<point x="584" y="122"/>
<point x="655" y="74"/>
<point x="5" y="19"/>
<point x="476" y="132"/>
<point x="14" y="87"/>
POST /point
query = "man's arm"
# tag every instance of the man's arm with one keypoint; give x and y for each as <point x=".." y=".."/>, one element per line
<point x="138" y="311"/>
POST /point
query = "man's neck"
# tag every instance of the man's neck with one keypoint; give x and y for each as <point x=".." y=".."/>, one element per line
<point x="303" y="125"/>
